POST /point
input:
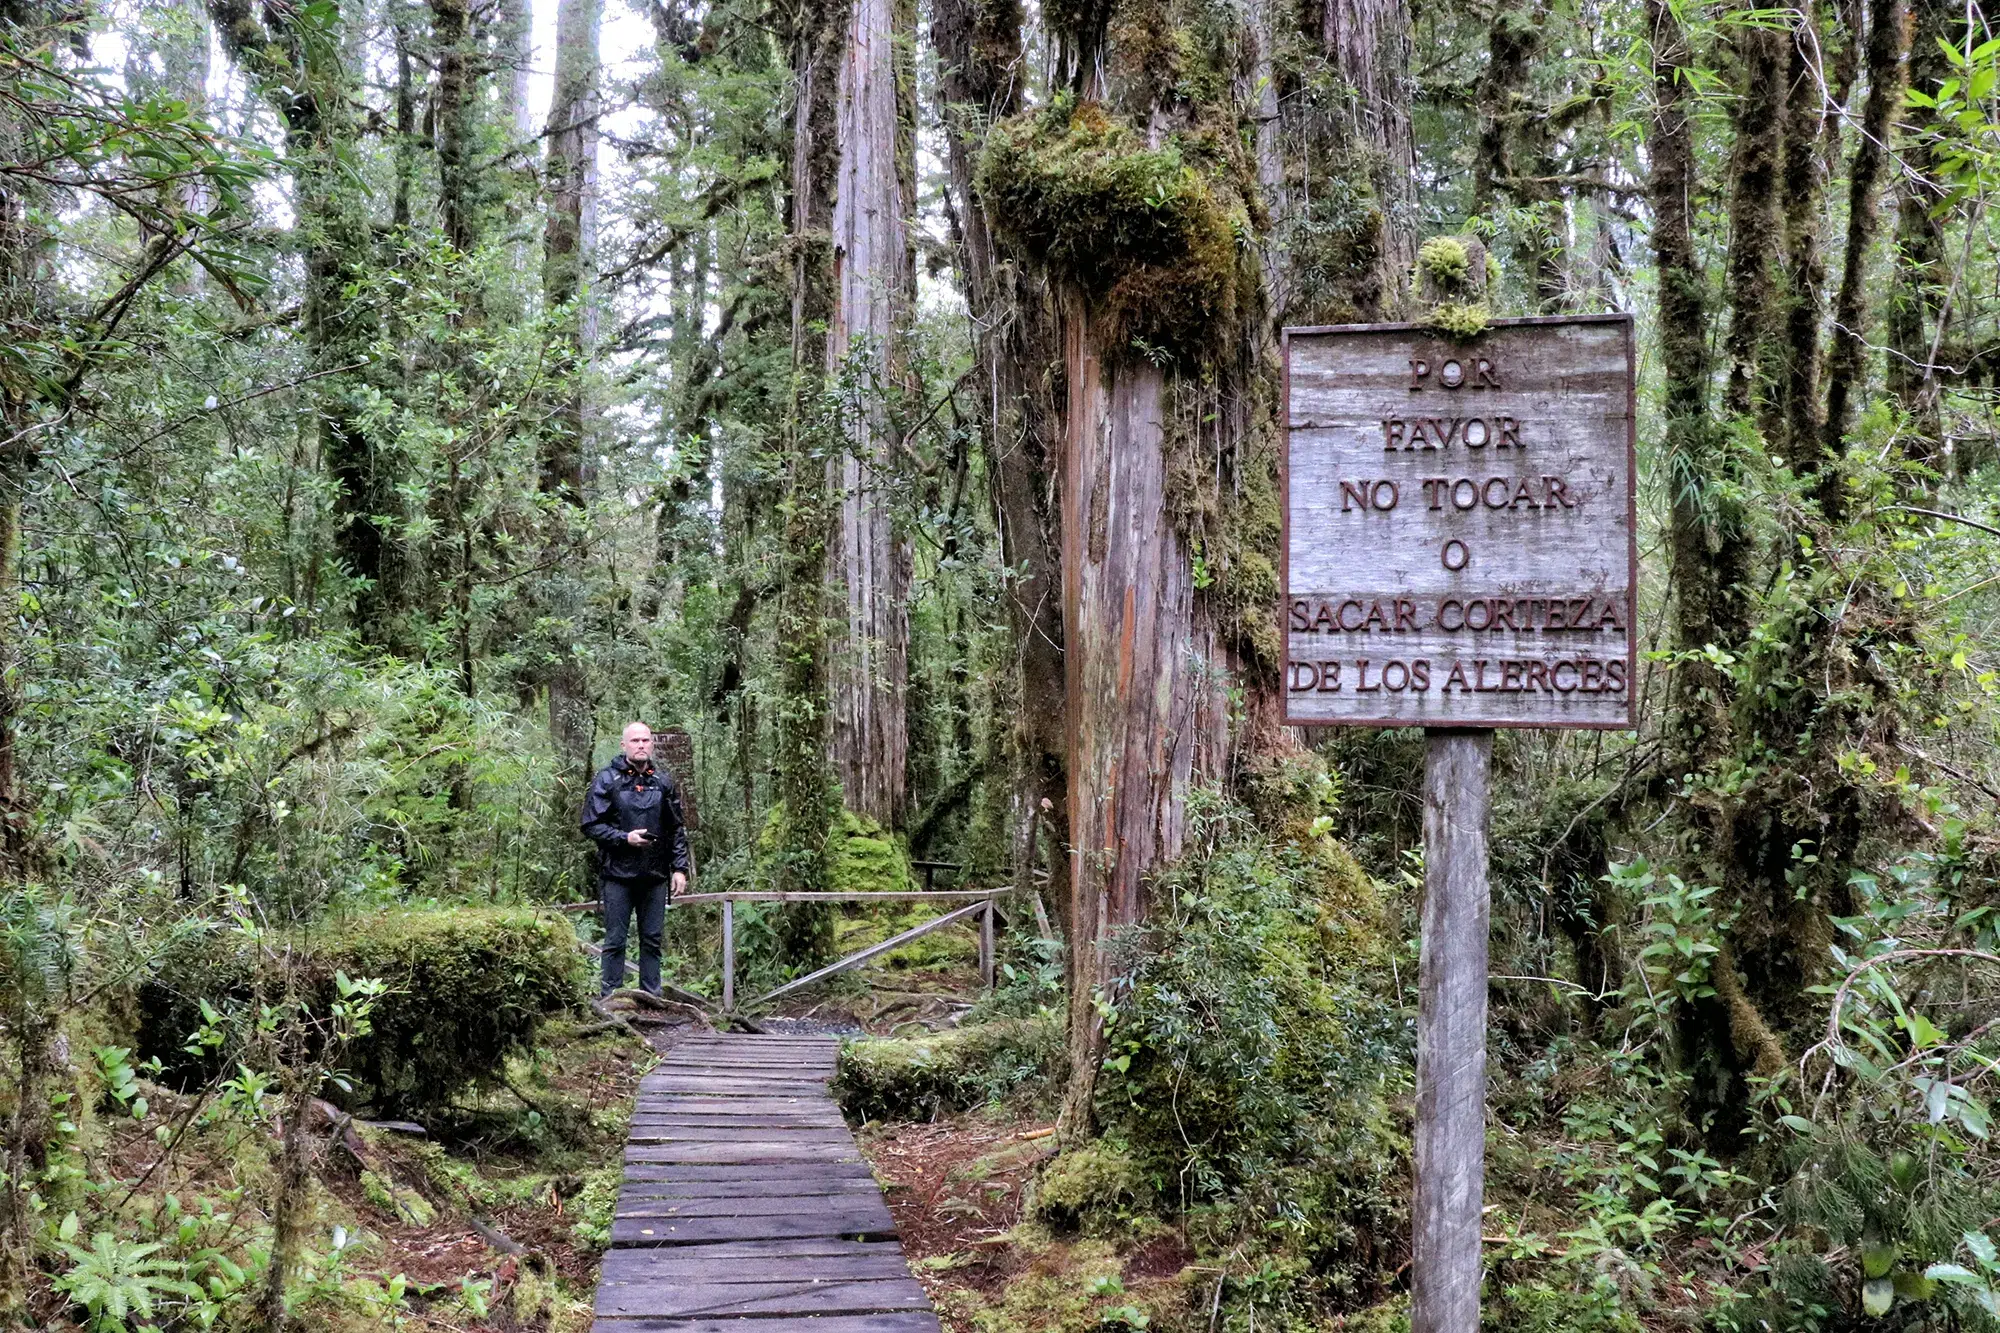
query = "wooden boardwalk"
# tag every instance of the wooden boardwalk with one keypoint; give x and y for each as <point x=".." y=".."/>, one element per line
<point x="747" y="1207"/>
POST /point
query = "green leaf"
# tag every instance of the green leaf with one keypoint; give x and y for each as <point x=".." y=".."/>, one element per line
<point x="1877" y="1296"/>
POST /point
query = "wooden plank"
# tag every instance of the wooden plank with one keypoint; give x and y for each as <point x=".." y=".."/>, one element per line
<point x="737" y="1154"/>
<point x="757" y="1185"/>
<point x="644" y="1231"/>
<point x="696" y="1171"/>
<point x="902" y="1322"/>
<point x="1451" y="1036"/>
<point x="867" y="1214"/>
<point x="694" y="1263"/>
<point x="697" y="1299"/>
<point x="773" y="1249"/>
<point x="785" y="1134"/>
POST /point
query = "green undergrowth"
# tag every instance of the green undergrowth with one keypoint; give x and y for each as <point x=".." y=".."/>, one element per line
<point x="1016" y="1061"/>
<point x="465" y="990"/>
<point x="167" y="1196"/>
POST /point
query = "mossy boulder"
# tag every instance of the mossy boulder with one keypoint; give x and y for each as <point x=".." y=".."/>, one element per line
<point x="467" y="988"/>
<point x="863" y="857"/>
<point x="921" y="1078"/>
<point x="1149" y="231"/>
<point x="860" y="855"/>
<point x="1091" y="1189"/>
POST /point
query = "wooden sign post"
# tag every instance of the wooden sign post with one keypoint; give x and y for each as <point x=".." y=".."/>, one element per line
<point x="1460" y="554"/>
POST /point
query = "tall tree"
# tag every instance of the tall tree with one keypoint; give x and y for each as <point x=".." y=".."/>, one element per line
<point x="873" y="286"/>
<point x="569" y="244"/>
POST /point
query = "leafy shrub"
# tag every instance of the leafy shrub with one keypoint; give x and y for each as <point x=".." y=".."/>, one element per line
<point x="921" y="1078"/>
<point x="466" y="989"/>
<point x="1255" y="1059"/>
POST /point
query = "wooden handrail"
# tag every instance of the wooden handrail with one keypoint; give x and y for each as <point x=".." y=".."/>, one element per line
<point x="886" y="896"/>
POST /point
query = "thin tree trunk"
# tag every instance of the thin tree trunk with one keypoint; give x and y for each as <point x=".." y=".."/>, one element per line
<point x="568" y="258"/>
<point x="1888" y="41"/>
<point x="1754" y="227"/>
<point x="1015" y="337"/>
<point x="815" y="41"/>
<point x="303" y="75"/>
<point x="1916" y="305"/>
<point x="1792" y="425"/>
<point x="457" y="91"/>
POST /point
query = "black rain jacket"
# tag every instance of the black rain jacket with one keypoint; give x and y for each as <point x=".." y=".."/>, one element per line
<point x="624" y="797"/>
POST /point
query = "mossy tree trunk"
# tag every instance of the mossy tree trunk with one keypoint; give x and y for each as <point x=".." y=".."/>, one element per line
<point x="1336" y="158"/>
<point x="569" y="243"/>
<point x="1013" y="316"/>
<point x="301" y="73"/>
<point x="1917" y="318"/>
<point x="1888" y="42"/>
<point x="815" y="39"/>
<point x="873" y="285"/>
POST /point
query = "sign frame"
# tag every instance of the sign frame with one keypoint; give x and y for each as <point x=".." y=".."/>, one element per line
<point x="1626" y="320"/>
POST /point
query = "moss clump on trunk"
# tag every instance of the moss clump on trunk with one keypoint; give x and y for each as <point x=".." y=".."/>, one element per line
<point x="1149" y="233"/>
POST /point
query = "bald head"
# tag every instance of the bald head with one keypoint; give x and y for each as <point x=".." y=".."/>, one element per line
<point x="638" y="742"/>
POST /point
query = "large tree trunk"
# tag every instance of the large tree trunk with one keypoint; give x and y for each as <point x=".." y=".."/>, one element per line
<point x="1013" y="319"/>
<point x="1319" y="154"/>
<point x="872" y="289"/>
<point x="1142" y="715"/>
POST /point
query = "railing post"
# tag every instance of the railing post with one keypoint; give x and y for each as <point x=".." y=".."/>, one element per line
<point x="728" y="956"/>
<point x="986" y="944"/>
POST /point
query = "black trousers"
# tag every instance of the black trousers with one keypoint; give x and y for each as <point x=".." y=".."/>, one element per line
<point x="621" y="899"/>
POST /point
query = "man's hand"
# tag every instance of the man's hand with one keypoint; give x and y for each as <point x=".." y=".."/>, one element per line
<point x="638" y="837"/>
<point x="680" y="881"/>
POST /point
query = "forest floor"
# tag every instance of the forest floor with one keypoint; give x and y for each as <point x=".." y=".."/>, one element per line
<point x="492" y="1220"/>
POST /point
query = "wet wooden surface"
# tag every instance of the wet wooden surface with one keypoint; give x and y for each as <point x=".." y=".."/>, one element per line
<point x="747" y="1208"/>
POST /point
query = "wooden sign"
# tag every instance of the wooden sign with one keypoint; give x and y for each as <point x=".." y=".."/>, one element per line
<point x="1460" y="546"/>
<point x="673" y="750"/>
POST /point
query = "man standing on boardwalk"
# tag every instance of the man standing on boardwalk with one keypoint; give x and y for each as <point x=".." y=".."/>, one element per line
<point x="633" y="814"/>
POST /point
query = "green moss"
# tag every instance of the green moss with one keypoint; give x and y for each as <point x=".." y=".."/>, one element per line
<point x="862" y="857"/>
<point x="1454" y="274"/>
<point x="466" y="989"/>
<point x="1443" y="260"/>
<point x="1460" y="320"/>
<point x="1149" y="232"/>
<point x="956" y="1070"/>
<point x="1093" y="1189"/>
<point x="398" y="1201"/>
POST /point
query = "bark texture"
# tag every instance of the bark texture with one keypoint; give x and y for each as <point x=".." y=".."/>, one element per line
<point x="873" y="282"/>
<point x="1888" y="42"/>
<point x="1142" y="708"/>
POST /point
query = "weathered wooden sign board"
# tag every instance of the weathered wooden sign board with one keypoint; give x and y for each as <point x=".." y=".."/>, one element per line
<point x="1459" y="555"/>
<point x="1460" y="547"/>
